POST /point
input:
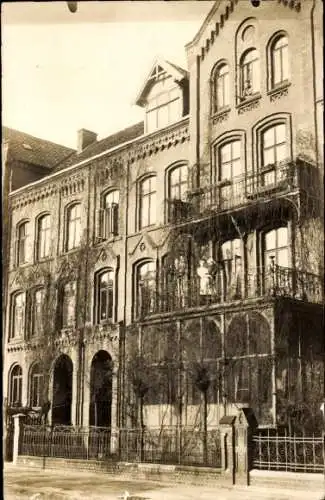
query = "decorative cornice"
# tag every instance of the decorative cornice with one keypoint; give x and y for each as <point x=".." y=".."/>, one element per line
<point x="276" y="94"/>
<point x="221" y="116"/>
<point x="160" y="141"/>
<point x="108" y="331"/>
<point x="35" y="195"/>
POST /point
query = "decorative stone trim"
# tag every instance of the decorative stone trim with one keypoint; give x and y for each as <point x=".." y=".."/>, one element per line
<point x="34" y="196"/>
<point x="72" y="185"/>
<point x="276" y="93"/>
<point x="220" y="116"/>
<point x="154" y="144"/>
<point x="108" y="331"/>
<point x="249" y="104"/>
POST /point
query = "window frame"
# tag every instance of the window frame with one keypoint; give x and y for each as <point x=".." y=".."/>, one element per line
<point x="108" y="219"/>
<point x="152" y="194"/>
<point x="244" y="95"/>
<point x="97" y="296"/>
<point x="272" y="84"/>
<point x="33" y="332"/>
<point x="18" y="261"/>
<point x="137" y="298"/>
<point x="36" y="372"/>
<point x="15" y="381"/>
<point x="181" y="196"/>
<point x="68" y="222"/>
<point x="12" y="331"/>
<point x="39" y="239"/>
<point x="216" y="77"/>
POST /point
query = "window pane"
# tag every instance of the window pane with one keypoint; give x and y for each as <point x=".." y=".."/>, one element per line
<point x="226" y="90"/>
<point x="151" y="120"/>
<point x="270" y="240"/>
<point x="145" y="211"/>
<point x="145" y="186"/>
<point x="152" y="213"/>
<point x="174" y="110"/>
<point x="162" y="113"/>
<point x="237" y="168"/>
<point x="277" y="66"/>
<point x="281" y="152"/>
<point x="285" y="63"/>
<point x="225" y="153"/>
<point x="282" y="237"/>
<point x="280" y="133"/>
<point x="268" y="156"/>
<point x="268" y="137"/>
<point x="282" y="257"/>
<point x="112" y="197"/>
<point x="256" y="76"/>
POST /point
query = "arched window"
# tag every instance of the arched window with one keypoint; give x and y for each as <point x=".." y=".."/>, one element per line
<point x="109" y="215"/>
<point x="37" y="315"/>
<point x="36" y="386"/>
<point x="23" y="244"/>
<point x="229" y="168"/>
<point x="16" y="385"/>
<point x="73" y="226"/>
<point x="177" y="187"/>
<point x="279" y="60"/>
<point x="145" y="288"/>
<point x="147" y="202"/>
<point x="104" y="299"/>
<point x="69" y="291"/>
<point x="18" y="309"/>
<point x="43" y="237"/>
<point x="274" y="154"/>
<point x="221" y="92"/>
<point x="249" y="73"/>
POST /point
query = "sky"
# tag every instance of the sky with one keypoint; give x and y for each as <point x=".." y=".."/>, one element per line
<point x="63" y="71"/>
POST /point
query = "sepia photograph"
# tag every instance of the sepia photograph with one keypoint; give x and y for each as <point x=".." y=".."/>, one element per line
<point x="163" y="250"/>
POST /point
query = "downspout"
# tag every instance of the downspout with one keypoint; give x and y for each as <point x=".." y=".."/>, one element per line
<point x="312" y="13"/>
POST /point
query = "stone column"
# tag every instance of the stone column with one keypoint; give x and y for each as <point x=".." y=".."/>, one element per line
<point x="18" y="421"/>
<point x="74" y="400"/>
<point x="245" y="425"/>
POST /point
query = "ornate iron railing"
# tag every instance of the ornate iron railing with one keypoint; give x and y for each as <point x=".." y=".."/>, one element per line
<point x="271" y="181"/>
<point x="169" y="445"/>
<point x="182" y="291"/>
<point x="275" y="450"/>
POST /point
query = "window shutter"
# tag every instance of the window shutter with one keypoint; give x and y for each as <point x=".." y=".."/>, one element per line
<point x="114" y="219"/>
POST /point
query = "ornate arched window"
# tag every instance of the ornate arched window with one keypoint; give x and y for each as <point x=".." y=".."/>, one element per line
<point x="279" y="60"/>
<point x="73" y="226"/>
<point x="104" y="295"/>
<point x="16" y="386"/>
<point x="43" y="237"/>
<point x="36" y="385"/>
<point x="249" y="73"/>
<point x="220" y="90"/>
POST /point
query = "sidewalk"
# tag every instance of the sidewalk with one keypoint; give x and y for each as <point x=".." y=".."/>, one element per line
<point x="22" y="483"/>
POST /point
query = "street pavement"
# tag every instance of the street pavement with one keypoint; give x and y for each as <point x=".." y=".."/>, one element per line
<point x="23" y="483"/>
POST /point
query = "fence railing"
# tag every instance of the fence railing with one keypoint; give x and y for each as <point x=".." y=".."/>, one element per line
<point x="168" y="445"/>
<point x="275" y="450"/>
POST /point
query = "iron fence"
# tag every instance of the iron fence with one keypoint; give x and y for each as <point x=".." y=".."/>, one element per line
<point x="168" y="445"/>
<point x="276" y="450"/>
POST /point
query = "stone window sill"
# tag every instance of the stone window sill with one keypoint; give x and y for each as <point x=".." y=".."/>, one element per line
<point x="249" y="103"/>
<point x="279" y="91"/>
<point x="221" y="115"/>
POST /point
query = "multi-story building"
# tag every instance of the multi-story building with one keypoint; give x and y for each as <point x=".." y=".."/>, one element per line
<point x="173" y="271"/>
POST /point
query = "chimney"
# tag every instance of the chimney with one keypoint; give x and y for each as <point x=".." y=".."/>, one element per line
<point x="85" y="138"/>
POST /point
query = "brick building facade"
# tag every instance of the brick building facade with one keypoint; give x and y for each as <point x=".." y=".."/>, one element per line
<point x="173" y="271"/>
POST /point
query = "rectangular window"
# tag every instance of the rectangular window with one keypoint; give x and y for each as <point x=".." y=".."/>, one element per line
<point x="105" y="296"/>
<point x="36" y="390"/>
<point x="73" y="226"/>
<point x="23" y="243"/>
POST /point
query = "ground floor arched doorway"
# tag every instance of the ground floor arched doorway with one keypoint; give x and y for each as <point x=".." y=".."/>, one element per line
<point x="101" y="390"/>
<point x="62" y="391"/>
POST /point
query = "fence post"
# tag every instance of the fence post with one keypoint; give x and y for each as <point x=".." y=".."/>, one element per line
<point x="227" y="438"/>
<point x="245" y="425"/>
<point x="18" y="421"/>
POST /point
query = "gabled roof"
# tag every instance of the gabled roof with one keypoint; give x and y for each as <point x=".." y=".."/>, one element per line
<point x="32" y="150"/>
<point x="160" y="66"/>
<point x="125" y="135"/>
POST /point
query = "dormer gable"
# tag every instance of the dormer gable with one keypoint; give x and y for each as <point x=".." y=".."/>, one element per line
<point x="164" y="95"/>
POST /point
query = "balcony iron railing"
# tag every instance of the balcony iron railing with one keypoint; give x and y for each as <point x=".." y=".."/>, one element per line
<point x="272" y="180"/>
<point x="182" y="291"/>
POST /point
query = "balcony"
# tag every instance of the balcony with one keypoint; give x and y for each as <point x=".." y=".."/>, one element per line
<point x="180" y="292"/>
<point x="272" y="181"/>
